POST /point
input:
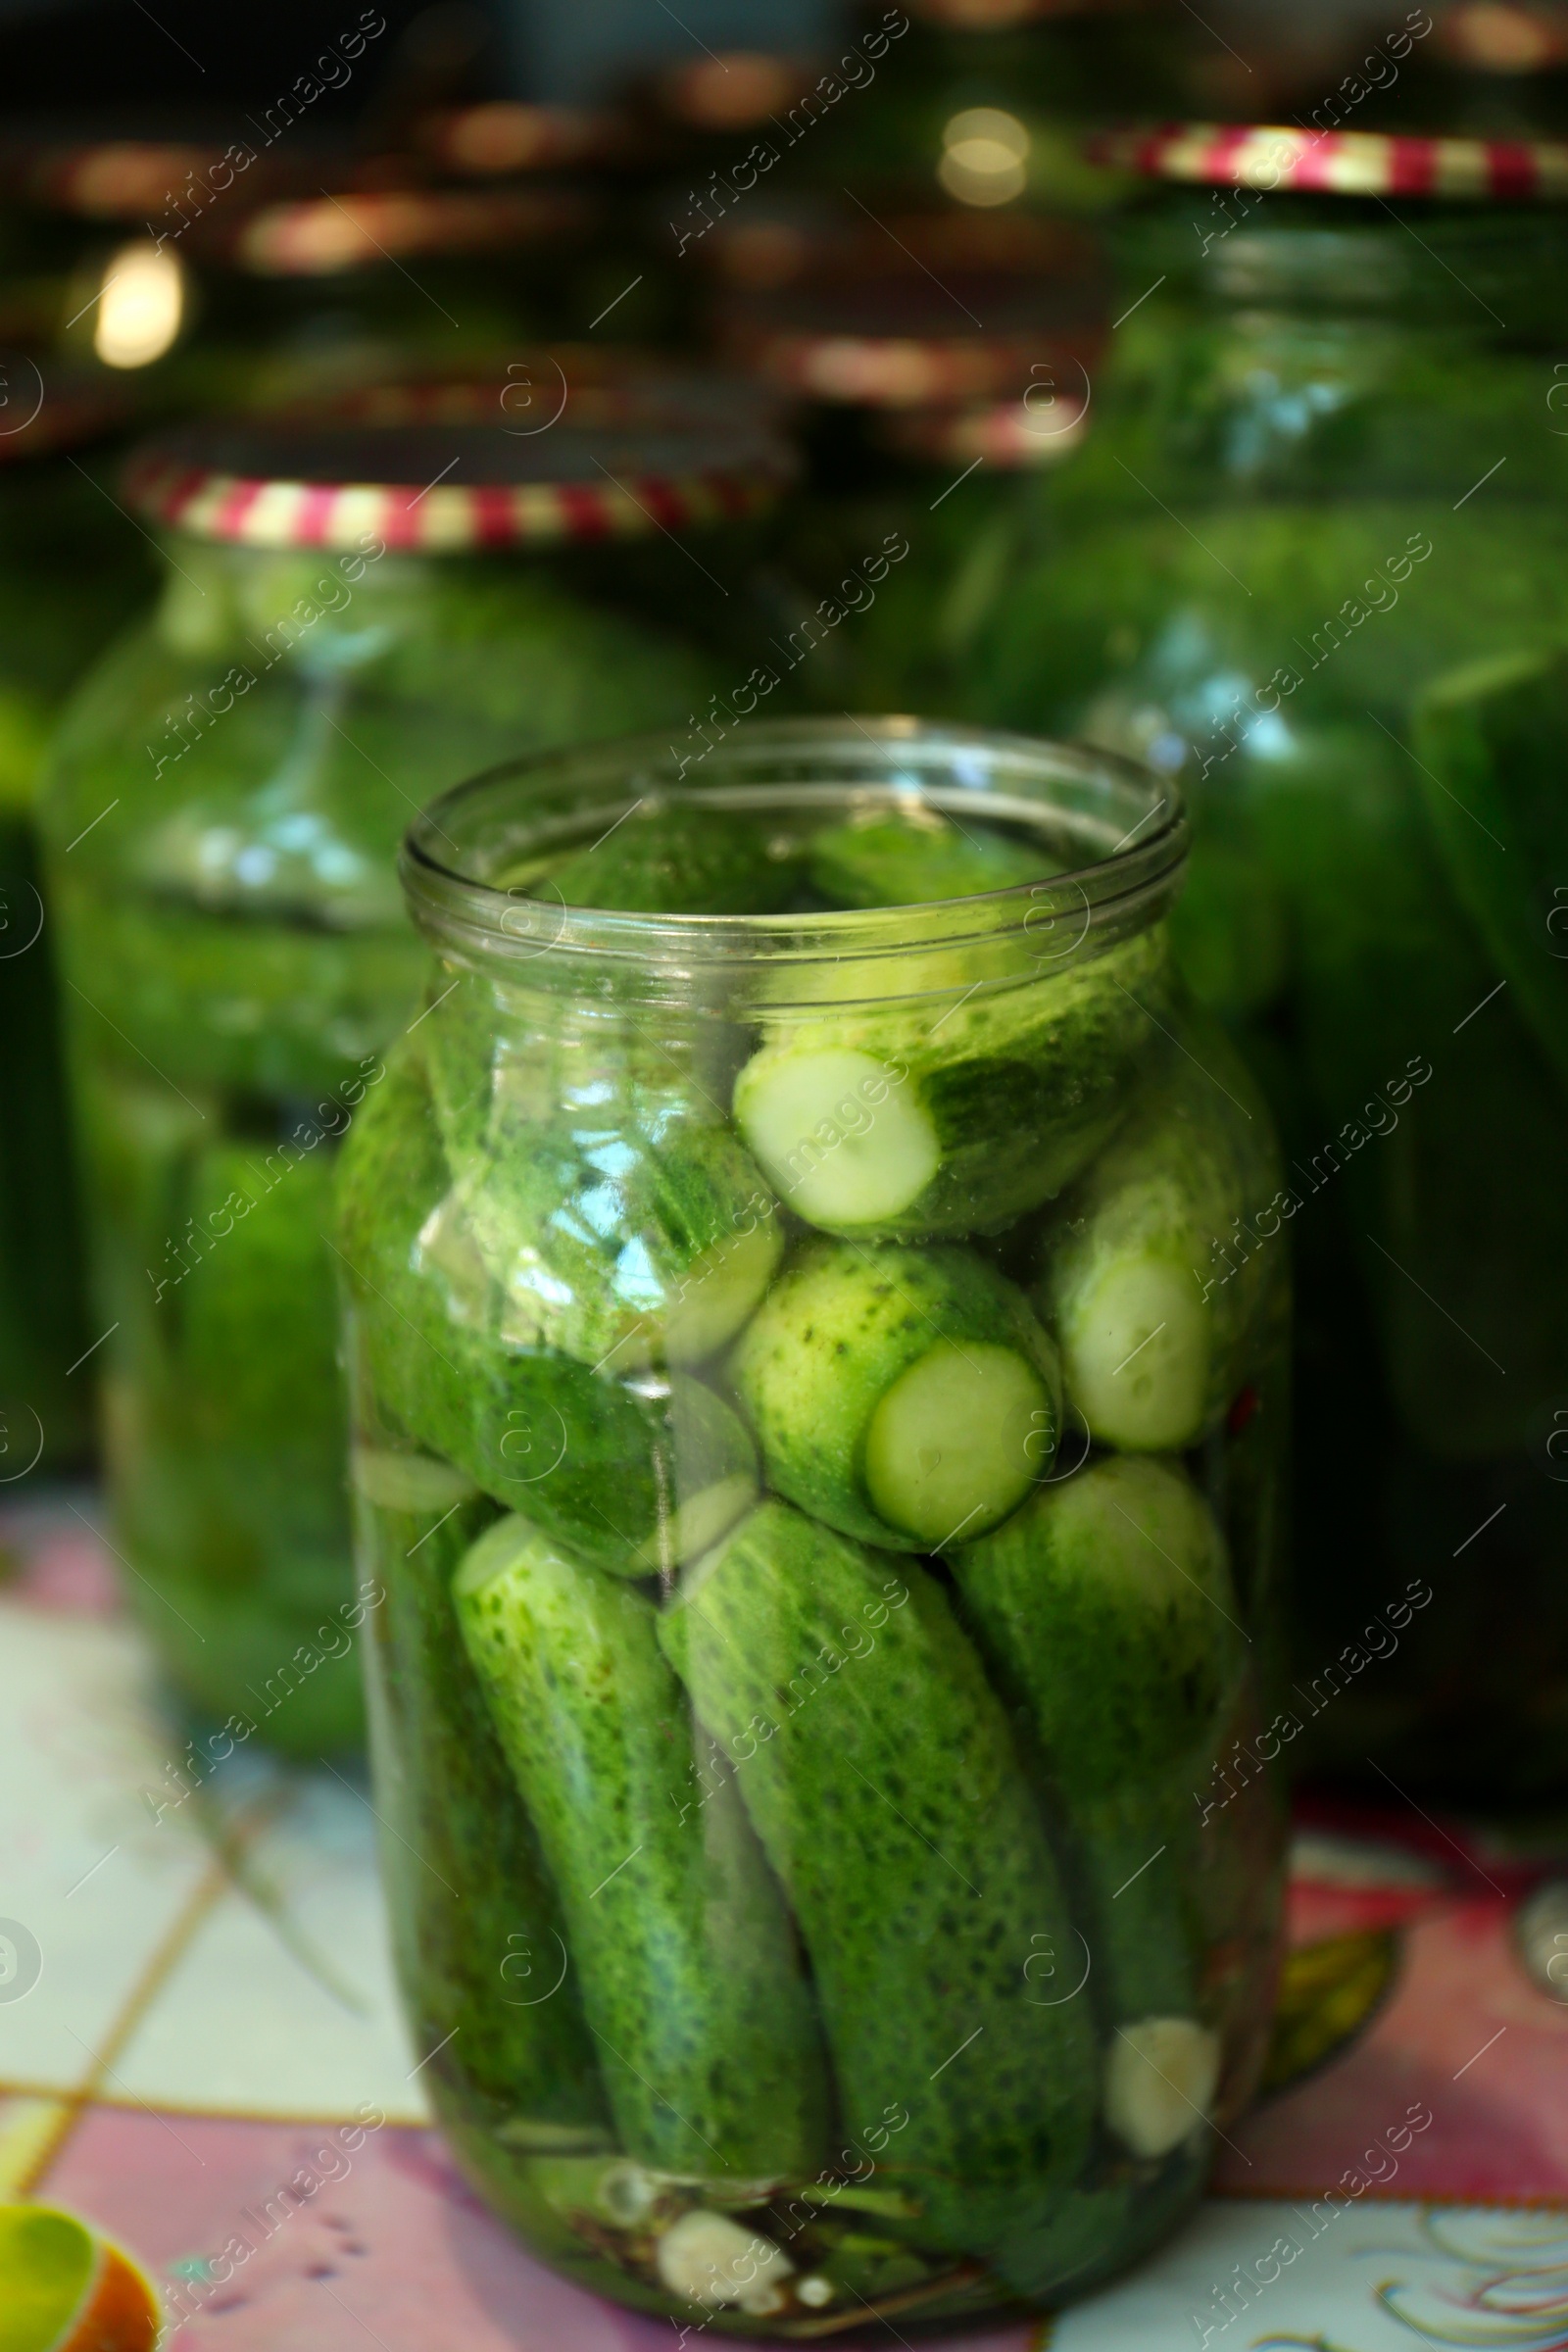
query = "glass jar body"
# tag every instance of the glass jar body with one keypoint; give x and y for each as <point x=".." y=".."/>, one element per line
<point x="71" y="572"/>
<point x="1303" y="523"/>
<point x="232" y="938"/>
<point x="745" y="1796"/>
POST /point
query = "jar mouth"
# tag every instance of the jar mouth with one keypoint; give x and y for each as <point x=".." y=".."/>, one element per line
<point x="1117" y="830"/>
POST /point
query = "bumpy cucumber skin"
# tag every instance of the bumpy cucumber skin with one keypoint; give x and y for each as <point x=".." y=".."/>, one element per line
<point x="679" y="860"/>
<point x="835" y="1332"/>
<point x="596" y="1463"/>
<point x="476" y="1925"/>
<point x="1105" y="1608"/>
<point x="1193" y="1157"/>
<point x="1106" y="1605"/>
<point x="878" y="1767"/>
<point x="1021" y="1087"/>
<point x="621" y="1246"/>
<point x="709" y="2042"/>
<point x="894" y="862"/>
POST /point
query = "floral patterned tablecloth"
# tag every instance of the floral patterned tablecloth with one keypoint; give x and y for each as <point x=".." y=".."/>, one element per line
<point x="200" y="2052"/>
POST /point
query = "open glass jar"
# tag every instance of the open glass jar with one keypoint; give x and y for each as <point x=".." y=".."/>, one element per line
<point x="820" y="1514"/>
<point x="72" y="570"/>
<point x="1309" y="561"/>
<point x="350" y="615"/>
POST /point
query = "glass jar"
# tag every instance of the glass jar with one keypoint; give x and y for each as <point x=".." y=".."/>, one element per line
<point x="206" y="279"/>
<point x="350" y="615"/>
<point x="821" y="1522"/>
<point x="1329" y="487"/>
<point x="983" y="103"/>
<point x="917" y="420"/>
<point x="71" y="571"/>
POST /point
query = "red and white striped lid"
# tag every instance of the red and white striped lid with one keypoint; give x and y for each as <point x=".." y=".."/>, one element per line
<point x="1339" y="163"/>
<point x="449" y="488"/>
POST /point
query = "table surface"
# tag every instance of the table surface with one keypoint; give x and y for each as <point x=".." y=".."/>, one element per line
<point x="214" y="2026"/>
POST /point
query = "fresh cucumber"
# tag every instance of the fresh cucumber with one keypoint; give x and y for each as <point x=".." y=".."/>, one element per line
<point x="904" y="1395"/>
<point x="691" y="1984"/>
<point x="639" y="1481"/>
<point x="1107" y="1609"/>
<point x="954" y="1115"/>
<point x="1143" y="1281"/>
<point x="1106" y="1605"/>
<point x="623" y="1248"/>
<point x="477" y="1924"/>
<point x="879" y="1769"/>
<point x="678" y="858"/>
<point x="884" y="858"/>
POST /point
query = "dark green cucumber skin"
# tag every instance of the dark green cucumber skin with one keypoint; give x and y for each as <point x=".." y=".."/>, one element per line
<point x="1018" y="1113"/>
<point x="678" y="861"/>
<point x="709" y="2042"/>
<point x="1021" y="1084"/>
<point x="900" y="1748"/>
<point x="895" y="863"/>
<point x="894" y="1305"/>
<point x="1126" y="1702"/>
<point x="1119" y="1692"/>
<point x="592" y="1461"/>
<point x="479" y="1908"/>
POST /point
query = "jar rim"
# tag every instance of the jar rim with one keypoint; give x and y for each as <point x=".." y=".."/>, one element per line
<point x="1130" y="821"/>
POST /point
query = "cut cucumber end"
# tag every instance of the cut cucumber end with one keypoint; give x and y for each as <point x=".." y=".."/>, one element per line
<point x="1135" y="1352"/>
<point x="490" y="1555"/>
<point x="695" y="1526"/>
<point x="408" y="1482"/>
<point x="1160" y="2077"/>
<point x="721" y="1291"/>
<point x="952" y="1448"/>
<point x="842" y="1137"/>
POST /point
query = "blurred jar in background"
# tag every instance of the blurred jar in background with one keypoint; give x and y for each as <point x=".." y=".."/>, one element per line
<point x="204" y="277"/>
<point x="982" y="104"/>
<point x="71" y="571"/>
<point x="935" y="364"/>
<point x="1311" y="560"/>
<point x="1487" y="70"/>
<point x="352" y="614"/>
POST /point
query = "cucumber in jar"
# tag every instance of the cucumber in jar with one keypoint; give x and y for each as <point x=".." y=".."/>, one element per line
<point x="621" y="1241"/>
<point x="691" y="1982"/>
<point x="637" y="1480"/>
<point x="903" y="1396"/>
<point x="951" y="1115"/>
<point x="663" y="858"/>
<point x="1106" y="1607"/>
<point x="911" y="857"/>
<point x="1152" y="1315"/>
<point x="479" y="1933"/>
<point x="879" y="1769"/>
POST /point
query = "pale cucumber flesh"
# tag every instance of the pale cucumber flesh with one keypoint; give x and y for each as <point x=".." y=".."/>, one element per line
<point x="841" y="1140"/>
<point x="1160" y="2077"/>
<point x="948" y="1452"/>
<point x="715" y="1299"/>
<point x="1135" y="1352"/>
<point x="695" y="1525"/>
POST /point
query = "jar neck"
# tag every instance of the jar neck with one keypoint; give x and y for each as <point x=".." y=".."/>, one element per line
<point x="475" y="868"/>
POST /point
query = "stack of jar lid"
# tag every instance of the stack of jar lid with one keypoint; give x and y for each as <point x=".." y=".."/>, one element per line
<point x="960" y="334"/>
